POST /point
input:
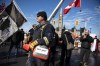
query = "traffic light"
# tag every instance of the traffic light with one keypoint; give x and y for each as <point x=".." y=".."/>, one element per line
<point x="76" y="22"/>
<point x="54" y="22"/>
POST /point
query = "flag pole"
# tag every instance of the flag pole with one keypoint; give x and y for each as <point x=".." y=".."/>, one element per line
<point x="85" y="25"/>
<point x="55" y="10"/>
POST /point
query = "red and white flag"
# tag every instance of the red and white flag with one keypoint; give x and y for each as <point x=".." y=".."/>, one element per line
<point x="78" y="3"/>
<point x="66" y="10"/>
<point x="75" y="3"/>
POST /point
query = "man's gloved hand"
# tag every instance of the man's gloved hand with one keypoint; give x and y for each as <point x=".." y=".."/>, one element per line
<point x="26" y="47"/>
<point x="33" y="44"/>
<point x="29" y="46"/>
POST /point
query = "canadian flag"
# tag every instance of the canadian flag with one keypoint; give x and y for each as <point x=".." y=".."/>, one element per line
<point x="66" y="10"/>
<point x="78" y="3"/>
<point x="75" y="3"/>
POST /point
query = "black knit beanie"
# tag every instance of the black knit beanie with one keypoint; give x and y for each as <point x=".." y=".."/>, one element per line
<point x="42" y="14"/>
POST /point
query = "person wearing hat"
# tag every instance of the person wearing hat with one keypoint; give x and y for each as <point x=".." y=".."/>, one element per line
<point x="66" y="53"/>
<point x="31" y="31"/>
<point x="86" y="41"/>
<point x="43" y="35"/>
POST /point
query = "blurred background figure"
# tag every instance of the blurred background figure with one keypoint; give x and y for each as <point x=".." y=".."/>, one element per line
<point x="31" y="31"/>
<point x="95" y="45"/>
<point x="66" y="53"/>
<point x="22" y="37"/>
<point x="86" y="41"/>
<point x="15" y="41"/>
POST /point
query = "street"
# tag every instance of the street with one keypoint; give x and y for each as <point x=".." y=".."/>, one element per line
<point x="21" y="58"/>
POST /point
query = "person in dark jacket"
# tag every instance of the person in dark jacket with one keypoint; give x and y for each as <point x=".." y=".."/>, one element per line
<point x="31" y="32"/>
<point x="43" y="35"/>
<point x="22" y="37"/>
<point x="15" y="41"/>
<point x="66" y="53"/>
<point x="86" y="41"/>
<point x="53" y="49"/>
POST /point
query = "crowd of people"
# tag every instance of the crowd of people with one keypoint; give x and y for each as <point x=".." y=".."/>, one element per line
<point x="44" y="34"/>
